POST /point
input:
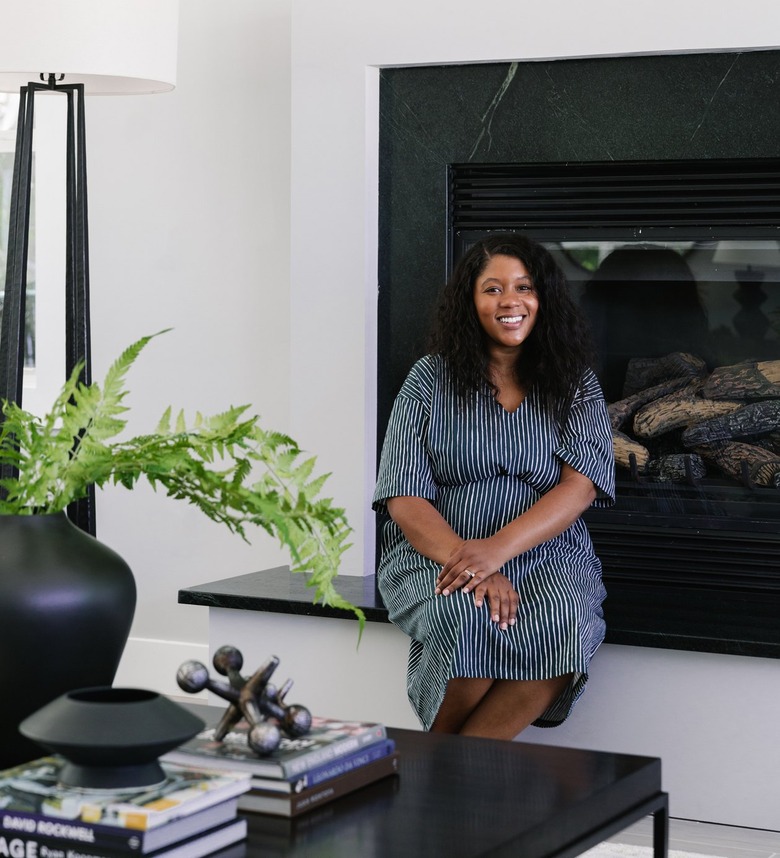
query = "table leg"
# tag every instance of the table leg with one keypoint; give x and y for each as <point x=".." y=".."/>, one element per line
<point x="661" y="829"/>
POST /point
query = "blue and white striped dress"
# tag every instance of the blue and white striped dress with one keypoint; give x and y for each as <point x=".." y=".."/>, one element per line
<point x="481" y="466"/>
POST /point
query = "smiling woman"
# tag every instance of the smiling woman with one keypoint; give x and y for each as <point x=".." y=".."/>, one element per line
<point x="497" y="443"/>
<point x="506" y="304"/>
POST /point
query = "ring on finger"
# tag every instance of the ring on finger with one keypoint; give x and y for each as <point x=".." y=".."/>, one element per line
<point x="470" y="573"/>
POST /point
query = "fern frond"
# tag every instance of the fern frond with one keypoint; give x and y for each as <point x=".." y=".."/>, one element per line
<point x="235" y="472"/>
<point x="113" y="386"/>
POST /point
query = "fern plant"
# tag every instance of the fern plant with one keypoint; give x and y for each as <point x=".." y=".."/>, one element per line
<point x="227" y="465"/>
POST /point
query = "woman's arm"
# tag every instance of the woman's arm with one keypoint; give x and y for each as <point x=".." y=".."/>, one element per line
<point x="430" y="535"/>
<point x="553" y="513"/>
<point x="424" y="527"/>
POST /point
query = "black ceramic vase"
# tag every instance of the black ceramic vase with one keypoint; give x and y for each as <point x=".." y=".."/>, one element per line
<point x="111" y="738"/>
<point x="66" y="605"/>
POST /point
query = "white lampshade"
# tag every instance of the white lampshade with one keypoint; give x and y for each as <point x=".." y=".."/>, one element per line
<point x="113" y="47"/>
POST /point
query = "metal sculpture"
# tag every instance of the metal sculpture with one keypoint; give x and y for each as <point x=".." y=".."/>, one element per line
<point x="254" y="698"/>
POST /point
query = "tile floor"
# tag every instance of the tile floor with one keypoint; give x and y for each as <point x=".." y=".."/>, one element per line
<point x="723" y="841"/>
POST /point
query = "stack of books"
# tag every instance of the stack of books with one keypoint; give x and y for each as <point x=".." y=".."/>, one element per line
<point x="192" y="813"/>
<point x="333" y="759"/>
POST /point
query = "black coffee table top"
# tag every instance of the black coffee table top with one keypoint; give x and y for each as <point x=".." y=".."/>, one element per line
<point x="459" y="796"/>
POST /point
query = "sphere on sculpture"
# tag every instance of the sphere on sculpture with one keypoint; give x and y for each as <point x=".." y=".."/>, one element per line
<point x="264" y="737"/>
<point x="227" y="658"/>
<point x="297" y="720"/>
<point x="192" y="676"/>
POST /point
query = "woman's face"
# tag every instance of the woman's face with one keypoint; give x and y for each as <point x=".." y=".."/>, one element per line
<point x="506" y="301"/>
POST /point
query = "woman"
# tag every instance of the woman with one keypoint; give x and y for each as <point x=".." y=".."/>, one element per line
<point x="497" y="442"/>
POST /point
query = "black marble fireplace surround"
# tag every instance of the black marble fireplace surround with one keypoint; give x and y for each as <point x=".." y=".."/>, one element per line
<point x="699" y="582"/>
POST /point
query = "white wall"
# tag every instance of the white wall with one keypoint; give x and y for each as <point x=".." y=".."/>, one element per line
<point x="192" y="216"/>
<point x="189" y="229"/>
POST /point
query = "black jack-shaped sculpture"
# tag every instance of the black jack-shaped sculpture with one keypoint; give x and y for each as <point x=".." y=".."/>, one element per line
<point x="255" y="698"/>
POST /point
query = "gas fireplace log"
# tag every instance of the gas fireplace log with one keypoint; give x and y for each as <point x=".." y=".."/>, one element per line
<point x="620" y="411"/>
<point x="624" y="447"/>
<point x="748" y="380"/>
<point x="642" y="373"/>
<point x="682" y="408"/>
<point x="758" y="418"/>
<point x="677" y="468"/>
<point x="769" y="442"/>
<point x="744" y="461"/>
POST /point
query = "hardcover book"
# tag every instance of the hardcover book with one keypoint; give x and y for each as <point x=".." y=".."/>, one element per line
<point x="32" y="798"/>
<point x="327" y="740"/>
<point x="294" y="804"/>
<point x="95" y="836"/>
<point x="326" y="771"/>
<point x="205" y="843"/>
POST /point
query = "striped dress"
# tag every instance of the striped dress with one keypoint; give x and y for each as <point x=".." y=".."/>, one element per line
<point x="481" y="466"/>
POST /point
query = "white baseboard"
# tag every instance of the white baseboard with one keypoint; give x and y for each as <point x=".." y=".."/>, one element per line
<point x="152" y="664"/>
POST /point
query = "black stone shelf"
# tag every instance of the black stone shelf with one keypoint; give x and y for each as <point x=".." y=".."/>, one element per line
<point x="280" y="591"/>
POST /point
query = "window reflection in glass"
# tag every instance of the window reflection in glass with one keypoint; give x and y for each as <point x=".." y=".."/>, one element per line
<point x="9" y="106"/>
<point x="718" y="300"/>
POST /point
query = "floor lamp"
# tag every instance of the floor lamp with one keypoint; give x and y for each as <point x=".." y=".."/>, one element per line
<point x="71" y="48"/>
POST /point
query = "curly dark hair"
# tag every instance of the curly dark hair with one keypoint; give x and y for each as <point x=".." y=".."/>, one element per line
<point x="558" y="349"/>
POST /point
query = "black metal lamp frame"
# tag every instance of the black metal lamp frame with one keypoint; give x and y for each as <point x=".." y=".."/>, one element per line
<point x="77" y="323"/>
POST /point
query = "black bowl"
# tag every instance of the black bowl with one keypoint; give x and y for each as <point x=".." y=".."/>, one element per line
<point x="111" y="737"/>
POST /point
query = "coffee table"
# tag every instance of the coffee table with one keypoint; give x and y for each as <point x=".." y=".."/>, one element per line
<point x="461" y="797"/>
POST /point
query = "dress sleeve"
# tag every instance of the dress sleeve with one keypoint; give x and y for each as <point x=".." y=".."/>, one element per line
<point x="586" y="440"/>
<point x="404" y="466"/>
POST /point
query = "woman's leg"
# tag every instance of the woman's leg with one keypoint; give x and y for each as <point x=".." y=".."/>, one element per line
<point x="495" y="708"/>
<point x="461" y="698"/>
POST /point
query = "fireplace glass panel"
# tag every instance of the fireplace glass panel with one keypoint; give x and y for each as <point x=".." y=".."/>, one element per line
<point x="718" y="300"/>
<point x="703" y="306"/>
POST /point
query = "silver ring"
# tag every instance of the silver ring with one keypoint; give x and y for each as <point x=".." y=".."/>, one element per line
<point x="470" y="573"/>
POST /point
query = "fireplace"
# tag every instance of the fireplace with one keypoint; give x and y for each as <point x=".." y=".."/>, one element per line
<point x="677" y="266"/>
<point x="677" y="263"/>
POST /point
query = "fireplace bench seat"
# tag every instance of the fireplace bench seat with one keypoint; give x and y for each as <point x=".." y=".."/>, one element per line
<point x="281" y="591"/>
<point x="335" y="672"/>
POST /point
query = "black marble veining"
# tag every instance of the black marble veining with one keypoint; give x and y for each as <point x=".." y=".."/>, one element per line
<point x="280" y="591"/>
